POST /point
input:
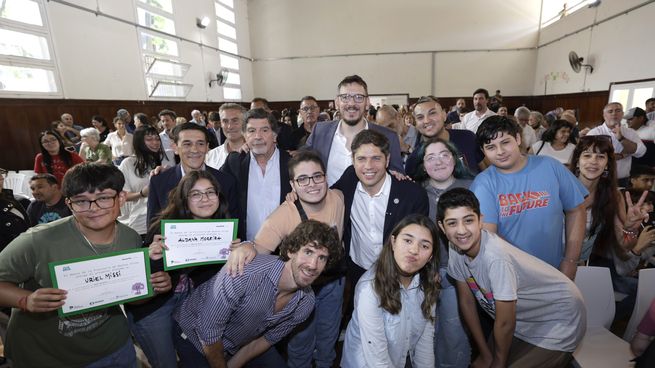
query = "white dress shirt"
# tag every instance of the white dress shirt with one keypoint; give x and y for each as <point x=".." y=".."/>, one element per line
<point x="647" y="131"/>
<point x="263" y="192"/>
<point x="623" y="165"/>
<point x="120" y="146"/>
<point x="340" y="156"/>
<point x="367" y="216"/>
<point x="472" y="120"/>
<point x="165" y="141"/>
<point x="216" y="157"/>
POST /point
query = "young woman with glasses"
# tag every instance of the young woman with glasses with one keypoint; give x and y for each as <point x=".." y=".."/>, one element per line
<point x="54" y="158"/>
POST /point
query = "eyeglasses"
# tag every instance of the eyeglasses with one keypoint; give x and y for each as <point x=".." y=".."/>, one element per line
<point x="196" y="195"/>
<point x="309" y="108"/>
<point x="442" y="156"/>
<point x="83" y="205"/>
<point x="316" y="178"/>
<point x="357" y="97"/>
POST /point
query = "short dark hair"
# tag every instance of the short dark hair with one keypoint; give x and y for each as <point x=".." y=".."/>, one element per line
<point x="353" y="79"/>
<point x="454" y="198"/>
<point x="368" y="136"/>
<point x="424" y="99"/>
<point x="492" y="126"/>
<point x="51" y="179"/>
<point x="307" y="98"/>
<point x="551" y="132"/>
<point x="214" y="116"/>
<point x="638" y="170"/>
<point x="315" y="234"/>
<point x="260" y="114"/>
<point x="189" y="126"/>
<point x="143" y="118"/>
<point x="170" y="113"/>
<point x="260" y="99"/>
<point x="99" y="119"/>
<point x="91" y="177"/>
<point x="650" y="100"/>
<point x="304" y="155"/>
<point x="483" y="91"/>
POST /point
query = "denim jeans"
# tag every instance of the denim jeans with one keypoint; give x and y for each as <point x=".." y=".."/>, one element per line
<point x="125" y="357"/>
<point x="451" y="345"/>
<point x="316" y="337"/>
<point x="154" y="334"/>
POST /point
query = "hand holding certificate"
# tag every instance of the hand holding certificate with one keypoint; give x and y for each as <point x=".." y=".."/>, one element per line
<point x="197" y="242"/>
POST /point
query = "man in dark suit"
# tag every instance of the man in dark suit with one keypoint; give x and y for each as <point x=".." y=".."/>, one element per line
<point x="190" y="144"/>
<point x="261" y="175"/>
<point x="332" y="139"/>
<point x="375" y="201"/>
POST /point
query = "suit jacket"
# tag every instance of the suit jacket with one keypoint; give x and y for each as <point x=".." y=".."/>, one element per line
<point x="237" y="165"/>
<point x="165" y="181"/>
<point x="405" y="197"/>
<point x="323" y="135"/>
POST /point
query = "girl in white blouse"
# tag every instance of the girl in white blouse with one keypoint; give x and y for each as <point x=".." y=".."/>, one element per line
<point x="393" y="321"/>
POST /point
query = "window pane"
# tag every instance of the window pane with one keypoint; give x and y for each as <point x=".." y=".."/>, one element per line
<point x="167" y="68"/>
<point x="226" y="30"/>
<point x="23" y="44"/>
<point x="155" y="21"/>
<point x="640" y="96"/>
<point x="229" y="62"/>
<point x="227" y="45"/>
<point x="23" y="79"/>
<point x="158" y="45"/>
<point x="231" y="93"/>
<point x="25" y="11"/>
<point x="170" y="89"/>
<point x="229" y="3"/>
<point x="233" y="78"/>
<point x="224" y="13"/>
<point x="621" y="96"/>
<point x="165" y="5"/>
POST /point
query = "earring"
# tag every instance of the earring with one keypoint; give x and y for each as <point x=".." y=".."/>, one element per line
<point x="606" y="173"/>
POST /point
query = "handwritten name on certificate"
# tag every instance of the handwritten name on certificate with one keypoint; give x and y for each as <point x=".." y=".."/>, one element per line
<point x="101" y="281"/>
<point x="197" y="242"/>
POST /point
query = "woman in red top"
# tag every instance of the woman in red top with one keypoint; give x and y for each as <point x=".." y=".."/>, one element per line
<point x="54" y="158"/>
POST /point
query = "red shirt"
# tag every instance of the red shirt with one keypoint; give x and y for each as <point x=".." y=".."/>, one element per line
<point x="59" y="168"/>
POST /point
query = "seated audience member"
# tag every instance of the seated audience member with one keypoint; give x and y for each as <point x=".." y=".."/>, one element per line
<point x="101" y="125"/>
<point x="148" y="155"/>
<point x="54" y="158"/>
<point x="197" y="118"/>
<point x="231" y="124"/>
<point x="13" y="216"/>
<point x="91" y="149"/>
<point x="130" y="125"/>
<point x="120" y="142"/>
<point x="315" y="339"/>
<point x="67" y="119"/>
<point x="62" y="129"/>
<point x="538" y="123"/>
<point x="393" y="321"/>
<point x="37" y="335"/>
<point x="232" y="321"/>
<point x="439" y="170"/>
<point x="642" y="177"/>
<point x="638" y="121"/>
<point x="261" y="175"/>
<point x="528" y="136"/>
<point x="141" y="119"/>
<point x="181" y="120"/>
<point x="198" y="196"/>
<point x="556" y="142"/>
<point x="642" y="344"/>
<point x="454" y="115"/>
<point x="502" y="111"/>
<point x="539" y="315"/>
<point x="49" y="204"/>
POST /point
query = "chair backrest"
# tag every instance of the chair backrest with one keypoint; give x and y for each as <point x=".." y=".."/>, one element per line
<point x="16" y="182"/>
<point x="595" y="284"/>
<point x="645" y="294"/>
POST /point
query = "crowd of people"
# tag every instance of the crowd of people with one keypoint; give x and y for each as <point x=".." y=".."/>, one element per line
<point x="424" y="236"/>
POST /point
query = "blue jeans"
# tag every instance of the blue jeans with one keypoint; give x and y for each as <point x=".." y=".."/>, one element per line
<point x="451" y="345"/>
<point x="315" y="338"/>
<point x="125" y="357"/>
<point x="154" y="334"/>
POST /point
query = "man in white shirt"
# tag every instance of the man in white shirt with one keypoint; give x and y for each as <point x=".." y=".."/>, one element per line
<point x="625" y="140"/>
<point x="528" y="135"/>
<point x="197" y="118"/>
<point x="473" y="119"/>
<point x="167" y="118"/>
<point x="231" y="120"/>
<point x="637" y="120"/>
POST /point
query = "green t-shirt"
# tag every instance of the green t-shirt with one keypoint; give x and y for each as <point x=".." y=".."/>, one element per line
<point x="44" y="339"/>
<point x="101" y="154"/>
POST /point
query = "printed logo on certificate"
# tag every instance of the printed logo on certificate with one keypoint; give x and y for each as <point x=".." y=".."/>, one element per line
<point x="101" y="281"/>
<point x="197" y="242"/>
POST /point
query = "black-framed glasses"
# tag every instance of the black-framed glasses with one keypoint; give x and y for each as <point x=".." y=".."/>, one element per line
<point x="316" y="178"/>
<point x="196" y="195"/>
<point x="358" y="98"/>
<point x="83" y="205"/>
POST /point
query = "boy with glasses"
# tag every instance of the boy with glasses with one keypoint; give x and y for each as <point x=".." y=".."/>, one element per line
<point x="37" y="336"/>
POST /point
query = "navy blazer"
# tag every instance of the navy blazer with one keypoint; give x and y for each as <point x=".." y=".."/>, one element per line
<point x="237" y="165"/>
<point x="405" y="198"/>
<point x="162" y="183"/>
<point x="323" y="134"/>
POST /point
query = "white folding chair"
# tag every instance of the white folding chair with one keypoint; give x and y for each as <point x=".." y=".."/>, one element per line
<point x="645" y="295"/>
<point x="16" y="182"/>
<point x="599" y="348"/>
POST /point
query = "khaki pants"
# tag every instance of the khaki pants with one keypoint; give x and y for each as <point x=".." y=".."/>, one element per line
<point x="523" y="354"/>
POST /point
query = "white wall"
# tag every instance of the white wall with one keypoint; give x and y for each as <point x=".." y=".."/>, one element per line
<point x="619" y="49"/>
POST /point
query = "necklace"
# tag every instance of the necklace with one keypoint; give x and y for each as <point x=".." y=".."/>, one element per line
<point x="88" y="242"/>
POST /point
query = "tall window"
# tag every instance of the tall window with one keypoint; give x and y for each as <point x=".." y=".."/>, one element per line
<point x="554" y="10"/>
<point x="227" y="42"/>
<point x="26" y="62"/>
<point x="163" y="70"/>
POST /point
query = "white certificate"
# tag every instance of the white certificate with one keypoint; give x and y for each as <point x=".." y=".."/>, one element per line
<point x="197" y="242"/>
<point x="101" y="281"/>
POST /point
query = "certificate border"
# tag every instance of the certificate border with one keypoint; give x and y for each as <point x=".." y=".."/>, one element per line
<point x="146" y="257"/>
<point x="186" y="265"/>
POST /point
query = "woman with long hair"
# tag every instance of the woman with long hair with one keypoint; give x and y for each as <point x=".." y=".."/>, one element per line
<point x="393" y="320"/>
<point x="54" y="158"/>
<point x="197" y="197"/>
<point x="556" y="142"/>
<point x="101" y="125"/>
<point x="148" y="154"/>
